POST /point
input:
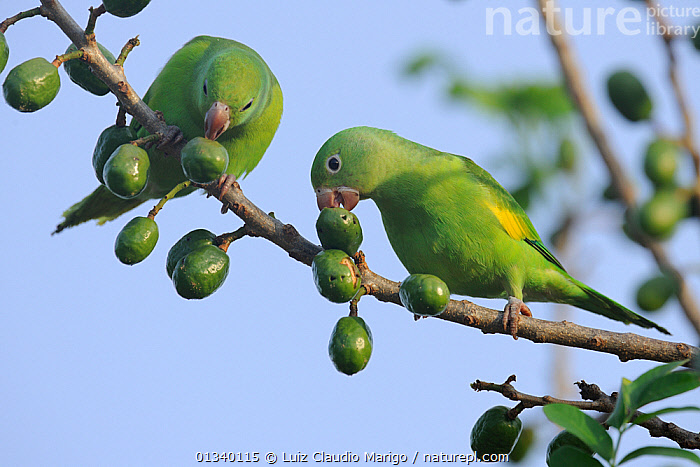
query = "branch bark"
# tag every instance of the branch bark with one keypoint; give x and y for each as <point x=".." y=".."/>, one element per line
<point x="626" y="346"/>
<point x="620" y="180"/>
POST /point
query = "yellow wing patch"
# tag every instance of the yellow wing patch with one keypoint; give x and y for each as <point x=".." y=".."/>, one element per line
<point x="513" y="225"/>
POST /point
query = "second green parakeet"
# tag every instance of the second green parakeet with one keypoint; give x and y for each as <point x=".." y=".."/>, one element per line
<point x="212" y="87"/>
<point x="444" y="215"/>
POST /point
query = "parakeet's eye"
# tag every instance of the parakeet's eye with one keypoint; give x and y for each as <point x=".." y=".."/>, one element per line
<point x="247" y="106"/>
<point x="333" y="163"/>
<point x="205" y="87"/>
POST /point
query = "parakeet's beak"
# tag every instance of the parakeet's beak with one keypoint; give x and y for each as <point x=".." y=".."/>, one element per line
<point x="334" y="197"/>
<point x="216" y="120"/>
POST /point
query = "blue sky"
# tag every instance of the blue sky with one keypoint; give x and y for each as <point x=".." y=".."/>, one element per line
<point x="105" y="364"/>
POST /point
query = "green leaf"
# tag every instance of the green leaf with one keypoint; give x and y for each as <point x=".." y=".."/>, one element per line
<point x="582" y="426"/>
<point x="620" y="413"/>
<point x="630" y="397"/>
<point x="647" y="416"/>
<point x="661" y="451"/>
<point x="666" y="386"/>
<point x="566" y="456"/>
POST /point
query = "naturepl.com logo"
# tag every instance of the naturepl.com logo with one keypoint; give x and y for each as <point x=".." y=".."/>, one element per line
<point x="590" y="21"/>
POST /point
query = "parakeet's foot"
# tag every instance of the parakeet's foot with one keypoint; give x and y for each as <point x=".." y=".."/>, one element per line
<point x="170" y="137"/>
<point x="511" y="315"/>
<point x="225" y="183"/>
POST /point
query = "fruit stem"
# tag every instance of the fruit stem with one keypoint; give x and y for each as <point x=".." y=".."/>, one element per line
<point x="513" y="413"/>
<point x="356" y="299"/>
<point x="21" y="15"/>
<point x="121" y="116"/>
<point x="223" y="241"/>
<point x="141" y="141"/>
<point x="126" y="50"/>
<point x="75" y="55"/>
<point x="171" y="194"/>
<point x="94" y="13"/>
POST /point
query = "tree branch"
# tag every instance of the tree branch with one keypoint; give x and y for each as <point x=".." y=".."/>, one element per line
<point x="621" y="182"/>
<point x="626" y="346"/>
<point x="112" y="75"/>
<point x="600" y="402"/>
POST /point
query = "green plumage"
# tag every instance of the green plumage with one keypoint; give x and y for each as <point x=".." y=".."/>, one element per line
<point x="444" y="215"/>
<point x="204" y="71"/>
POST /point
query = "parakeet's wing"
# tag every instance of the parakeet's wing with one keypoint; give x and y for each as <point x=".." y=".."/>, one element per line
<point x="508" y="212"/>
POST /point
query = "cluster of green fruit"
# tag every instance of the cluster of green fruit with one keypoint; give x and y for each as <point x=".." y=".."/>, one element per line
<point x="33" y="84"/>
<point x="337" y="278"/>
<point x="123" y="167"/>
<point x="198" y="263"/>
<point x="498" y="432"/>
<point x="659" y="216"/>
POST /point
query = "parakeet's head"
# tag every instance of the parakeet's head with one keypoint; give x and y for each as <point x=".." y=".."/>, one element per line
<point x="349" y="166"/>
<point x="233" y="88"/>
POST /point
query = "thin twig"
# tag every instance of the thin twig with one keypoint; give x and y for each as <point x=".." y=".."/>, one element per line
<point x="21" y="15"/>
<point x="94" y="14"/>
<point x="619" y="178"/>
<point x="126" y="50"/>
<point x="596" y="400"/>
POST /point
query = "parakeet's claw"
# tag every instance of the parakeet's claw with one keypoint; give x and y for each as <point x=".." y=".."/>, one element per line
<point x="224" y="184"/>
<point x="170" y="137"/>
<point x="511" y="315"/>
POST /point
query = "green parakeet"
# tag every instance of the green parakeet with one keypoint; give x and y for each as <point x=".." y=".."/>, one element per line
<point x="212" y="87"/>
<point x="444" y="215"/>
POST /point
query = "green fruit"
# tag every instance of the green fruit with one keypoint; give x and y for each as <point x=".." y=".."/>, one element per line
<point x="110" y="139"/>
<point x="494" y="432"/>
<point x="659" y="216"/>
<point x="203" y="160"/>
<point x="126" y="171"/>
<point x="424" y="294"/>
<point x="629" y="96"/>
<point x="189" y="242"/>
<point x="31" y="85"/>
<point x="201" y="272"/>
<point x="350" y="346"/>
<point x="336" y="276"/>
<point x="565" y="438"/>
<point x="4" y="51"/>
<point x="136" y="240"/>
<point x="661" y="162"/>
<point x="566" y="158"/>
<point x="339" y="229"/>
<point x="655" y="292"/>
<point x="522" y="447"/>
<point x="125" y="8"/>
<point x="79" y="72"/>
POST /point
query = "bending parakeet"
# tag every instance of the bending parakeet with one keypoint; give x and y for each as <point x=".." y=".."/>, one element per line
<point x="212" y="87"/>
<point x="444" y="215"/>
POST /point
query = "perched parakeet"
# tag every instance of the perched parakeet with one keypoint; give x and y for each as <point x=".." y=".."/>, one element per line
<point x="444" y="215"/>
<point x="212" y="87"/>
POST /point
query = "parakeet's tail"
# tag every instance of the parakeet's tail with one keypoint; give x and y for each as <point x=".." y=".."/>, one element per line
<point x="101" y="204"/>
<point x="599" y="303"/>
